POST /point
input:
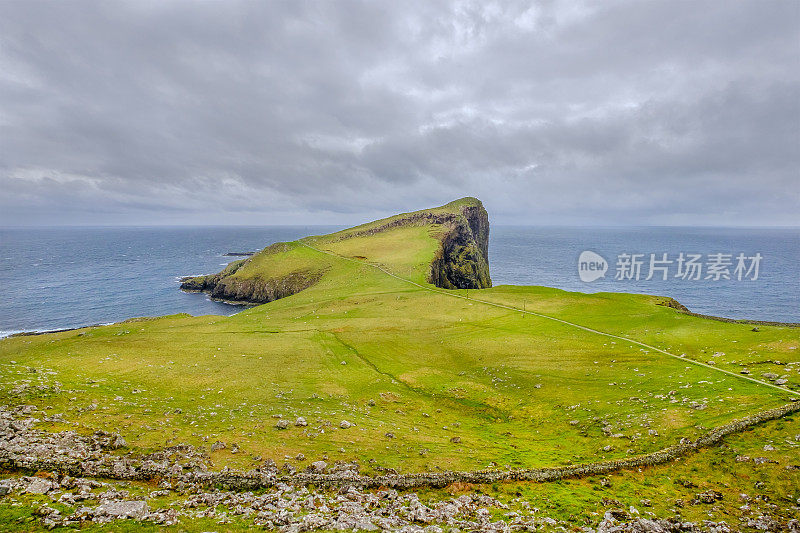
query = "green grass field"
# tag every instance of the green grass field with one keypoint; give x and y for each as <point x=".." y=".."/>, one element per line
<point x="397" y="358"/>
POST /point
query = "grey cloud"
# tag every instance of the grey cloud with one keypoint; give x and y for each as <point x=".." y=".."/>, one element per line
<point x="268" y="112"/>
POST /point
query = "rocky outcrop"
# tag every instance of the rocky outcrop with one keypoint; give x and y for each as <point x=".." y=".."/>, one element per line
<point x="253" y="290"/>
<point x="225" y="285"/>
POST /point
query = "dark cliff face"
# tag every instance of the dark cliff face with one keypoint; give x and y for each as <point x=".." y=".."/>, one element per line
<point x="463" y="260"/>
<point x="258" y="290"/>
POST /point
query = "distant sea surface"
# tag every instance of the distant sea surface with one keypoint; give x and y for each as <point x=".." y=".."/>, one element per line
<point x="53" y="278"/>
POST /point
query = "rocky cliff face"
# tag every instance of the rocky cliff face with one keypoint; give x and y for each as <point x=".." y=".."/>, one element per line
<point x="463" y="259"/>
<point x="225" y="286"/>
<point x="254" y="290"/>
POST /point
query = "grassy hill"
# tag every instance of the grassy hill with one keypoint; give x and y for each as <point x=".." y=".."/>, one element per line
<point x="363" y="326"/>
<point x="445" y="246"/>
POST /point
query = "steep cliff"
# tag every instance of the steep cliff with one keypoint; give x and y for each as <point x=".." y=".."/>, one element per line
<point x="463" y="259"/>
<point x="460" y="260"/>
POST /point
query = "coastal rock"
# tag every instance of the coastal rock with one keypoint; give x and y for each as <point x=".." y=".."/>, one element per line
<point x="226" y="286"/>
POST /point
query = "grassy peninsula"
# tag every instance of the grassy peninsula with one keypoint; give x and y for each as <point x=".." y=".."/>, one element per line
<point x="386" y="345"/>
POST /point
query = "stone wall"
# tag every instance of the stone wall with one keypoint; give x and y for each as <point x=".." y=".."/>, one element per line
<point x="27" y="449"/>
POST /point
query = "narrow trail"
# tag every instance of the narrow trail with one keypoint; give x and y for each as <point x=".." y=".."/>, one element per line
<point x="547" y="317"/>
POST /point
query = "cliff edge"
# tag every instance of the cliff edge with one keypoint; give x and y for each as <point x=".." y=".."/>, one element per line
<point x="460" y="258"/>
<point x="463" y="261"/>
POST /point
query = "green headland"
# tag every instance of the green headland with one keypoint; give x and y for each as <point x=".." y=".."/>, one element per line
<point x="390" y="344"/>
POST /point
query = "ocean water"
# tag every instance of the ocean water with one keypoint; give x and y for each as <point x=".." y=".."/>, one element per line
<point x="67" y="277"/>
<point x="56" y="278"/>
<point x="549" y="256"/>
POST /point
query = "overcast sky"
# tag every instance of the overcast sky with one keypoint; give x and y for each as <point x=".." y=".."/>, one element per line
<point x="612" y="112"/>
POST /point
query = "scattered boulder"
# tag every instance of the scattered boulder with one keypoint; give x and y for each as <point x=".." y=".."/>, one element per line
<point x="709" y="496"/>
<point x="118" y="442"/>
<point x="318" y="467"/>
<point x="38" y="485"/>
<point x="136" y="509"/>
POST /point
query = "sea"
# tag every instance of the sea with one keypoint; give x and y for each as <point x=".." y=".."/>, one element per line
<point x="57" y="278"/>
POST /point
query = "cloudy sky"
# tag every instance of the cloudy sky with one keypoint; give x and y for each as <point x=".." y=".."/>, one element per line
<point x="553" y="112"/>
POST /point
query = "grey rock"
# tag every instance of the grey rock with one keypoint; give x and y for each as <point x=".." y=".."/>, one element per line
<point x="39" y="485"/>
<point x="318" y="467"/>
<point x="118" y="442"/>
<point x="136" y="509"/>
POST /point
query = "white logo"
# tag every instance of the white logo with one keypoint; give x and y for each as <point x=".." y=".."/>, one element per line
<point x="591" y="266"/>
